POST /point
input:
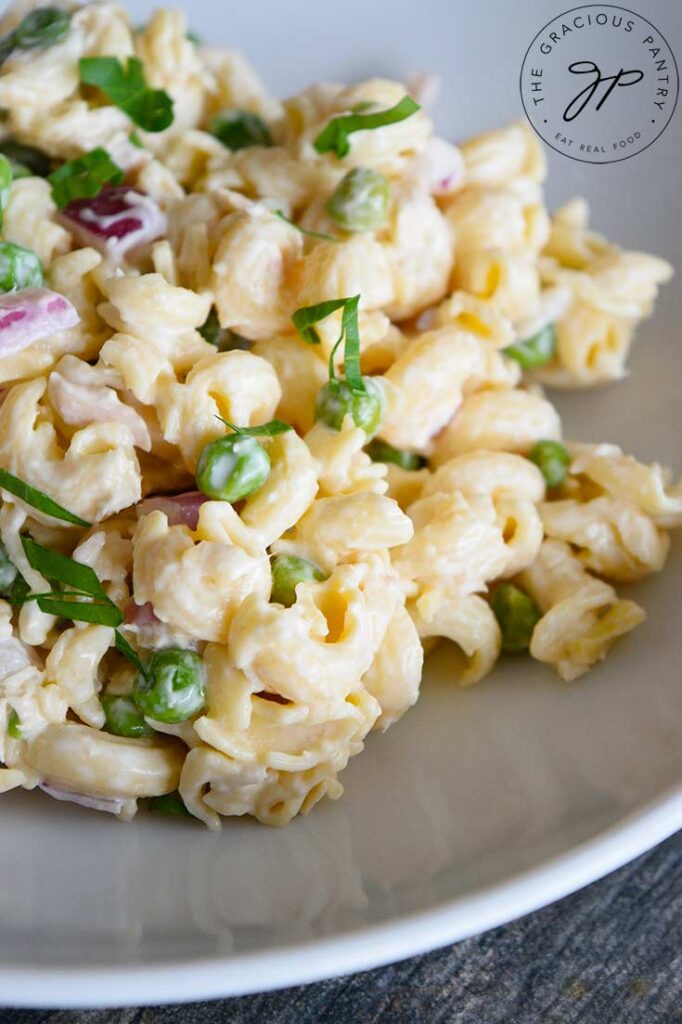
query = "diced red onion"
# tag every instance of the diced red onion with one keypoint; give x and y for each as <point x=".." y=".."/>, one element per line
<point x="179" y="509"/>
<point x="96" y="803"/>
<point x="31" y="314"/>
<point x="115" y="220"/>
<point x="139" y="615"/>
<point x="81" y="404"/>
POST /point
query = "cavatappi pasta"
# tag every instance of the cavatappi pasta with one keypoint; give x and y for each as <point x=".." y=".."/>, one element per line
<point x="272" y="419"/>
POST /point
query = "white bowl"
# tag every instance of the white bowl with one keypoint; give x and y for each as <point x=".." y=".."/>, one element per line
<point x="481" y="804"/>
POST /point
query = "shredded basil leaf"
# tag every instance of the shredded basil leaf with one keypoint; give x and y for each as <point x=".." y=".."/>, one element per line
<point x="334" y="136"/>
<point x="102" y="614"/>
<point x="60" y="569"/>
<point x="37" y="499"/>
<point x="84" y="177"/>
<point x="40" y="28"/>
<point x="304" y="321"/>
<point x="135" y="139"/>
<point x="270" y="429"/>
<point x="304" y="231"/>
<point x="351" y="349"/>
<point x="124" y="648"/>
<point x="151" y="109"/>
<point x="86" y="602"/>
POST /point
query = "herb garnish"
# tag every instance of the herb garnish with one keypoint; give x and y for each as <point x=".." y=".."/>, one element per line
<point x="304" y="231"/>
<point x="334" y="136"/>
<point x="84" y="177"/>
<point x="38" y="499"/>
<point x="304" y="321"/>
<point x="151" y="109"/>
<point x="40" y="28"/>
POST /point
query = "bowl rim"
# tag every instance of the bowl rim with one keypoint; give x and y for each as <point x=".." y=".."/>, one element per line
<point x="358" y="949"/>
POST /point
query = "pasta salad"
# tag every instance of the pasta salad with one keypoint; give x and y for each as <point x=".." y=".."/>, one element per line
<point x="272" y="419"/>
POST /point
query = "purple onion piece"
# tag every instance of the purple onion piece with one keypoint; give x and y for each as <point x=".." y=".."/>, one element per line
<point x="114" y="221"/>
<point x="31" y="314"/>
<point x="179" y="510"/>
<point x="139" y="615"/>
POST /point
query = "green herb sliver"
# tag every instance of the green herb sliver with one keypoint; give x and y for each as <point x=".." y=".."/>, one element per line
<point x="40" y="28"/>
<point x="124" y="648"/>
<point x="304" y="321"/>
<point x="150" y="109"/>
<point x="38" y="499"/>
<point x="304" y="231"/>
<point x="87" y="601"/>
<point x="270" y="429"/>
<point x="84" y="177"/>
<point x="334" y="136"/>
<point x="61" y="569"/>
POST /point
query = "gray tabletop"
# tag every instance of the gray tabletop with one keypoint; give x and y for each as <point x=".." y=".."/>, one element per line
<point x="611" y="954"/>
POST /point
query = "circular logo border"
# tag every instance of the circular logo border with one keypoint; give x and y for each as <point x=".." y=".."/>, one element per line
<point x="585" y="7"/>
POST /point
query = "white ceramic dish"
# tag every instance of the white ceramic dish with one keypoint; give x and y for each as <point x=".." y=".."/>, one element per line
<point x="480" y="805"/>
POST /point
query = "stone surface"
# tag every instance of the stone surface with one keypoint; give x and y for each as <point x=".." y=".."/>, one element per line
<point x="611" y="954"/>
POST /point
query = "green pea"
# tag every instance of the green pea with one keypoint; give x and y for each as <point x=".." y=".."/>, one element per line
<point x="335" y="401"/>
<point x="25" y="161"/>
<point x="237" y="129"/>
<point x="5" y="185"/>
<point x="172" y="687"/>
<point x="380" y="451"/>
<point x="360" y="200"/>
<point x="517" y="615"/>
<point x="14" y="726"/>
<point x="41" y="27"/>
<point x="535" y="351"/>
<point x="223" y="338"/>
<point x="552" y="460"/>
<point x="169" y="803"/>
<point x="287" y="572"/>
<point x="232" y="467"/>
<point x="8" y="573"/>
<point x="19" y="268"/>
<point x="122" y="717"/>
